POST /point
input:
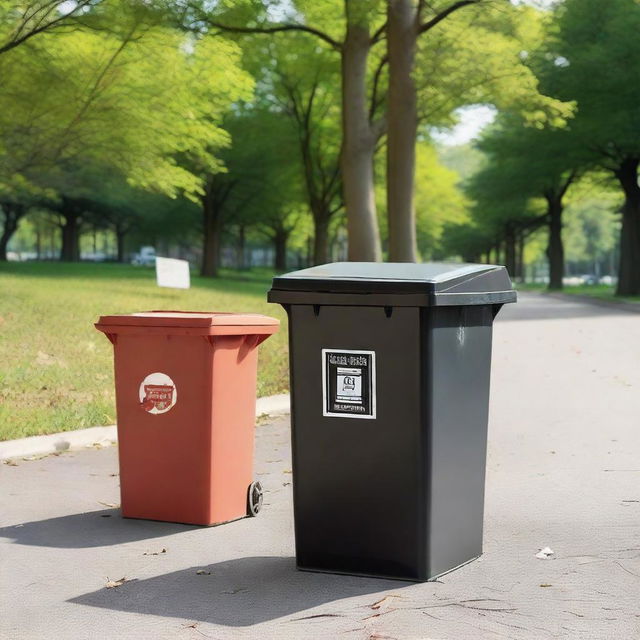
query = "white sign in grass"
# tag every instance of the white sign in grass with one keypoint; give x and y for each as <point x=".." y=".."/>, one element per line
<point x="172" y="273"/>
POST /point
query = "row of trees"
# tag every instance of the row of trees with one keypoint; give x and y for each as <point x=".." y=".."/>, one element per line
<point x="105" y="106"/>
<point x="299" y="119"/>
<point x="248" y="109"/>
<point x="589" y="58"/>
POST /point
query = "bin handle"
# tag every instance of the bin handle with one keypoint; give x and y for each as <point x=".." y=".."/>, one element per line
<point x="251" y="340"/>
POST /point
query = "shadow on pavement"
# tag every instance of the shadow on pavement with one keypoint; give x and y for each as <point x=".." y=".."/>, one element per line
<point x="539" y="306"/>
<point x="93" y="529"/>
<point x="237" y="593"/>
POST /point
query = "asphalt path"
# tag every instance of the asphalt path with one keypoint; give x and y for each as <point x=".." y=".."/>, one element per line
<point x="563" y="472"/>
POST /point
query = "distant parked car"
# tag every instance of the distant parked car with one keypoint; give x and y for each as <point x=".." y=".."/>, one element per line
<point x="146" y="257"/>
<point x="98" y="256"/>
<point x="590" y="279"/>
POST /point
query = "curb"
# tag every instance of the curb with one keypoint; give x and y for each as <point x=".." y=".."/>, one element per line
<point x="106" y="436"/>
<point x="630" y="307"/>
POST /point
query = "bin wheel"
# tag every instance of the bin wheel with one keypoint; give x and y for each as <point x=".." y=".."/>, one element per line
<point x="255" y="499"/>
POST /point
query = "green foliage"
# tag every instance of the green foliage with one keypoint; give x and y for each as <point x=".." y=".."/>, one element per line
<point x="21" y="21"/>
<point x="593" y="58"/>
<point x="132" y="101"/>
<point x="264" y="177"/>
<point x="438" y="201"/>
<point x="592" y="218"/>
<point x="464" y="159"/>
<point x="526" y="161"/>
<point x="479" y="55"/>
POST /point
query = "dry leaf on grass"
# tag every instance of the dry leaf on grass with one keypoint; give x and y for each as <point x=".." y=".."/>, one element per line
<point x="45" y="359"/>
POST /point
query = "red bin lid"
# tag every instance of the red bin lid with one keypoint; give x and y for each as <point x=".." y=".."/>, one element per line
<point x="186" y="319"/>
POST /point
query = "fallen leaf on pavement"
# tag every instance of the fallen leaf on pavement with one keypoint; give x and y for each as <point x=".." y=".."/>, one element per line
<point x="113" y="584"/>
<point x="545" y="554"/>
<point x="203" y="572"/>
<point x="154" y="553"/>
<point x="318" y="615"/>
<point x="111" y="505"/>
<point x="379" y="603"/>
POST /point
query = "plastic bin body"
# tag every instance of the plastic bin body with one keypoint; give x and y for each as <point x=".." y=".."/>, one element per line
<point x="191" y="462"/>
<point x="399" y="492"/>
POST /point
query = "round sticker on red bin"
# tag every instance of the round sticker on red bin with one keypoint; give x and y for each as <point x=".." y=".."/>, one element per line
<point x="158" y="393"/>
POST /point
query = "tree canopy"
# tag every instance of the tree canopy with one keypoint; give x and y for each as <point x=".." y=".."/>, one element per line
<point x="255" y="121"/>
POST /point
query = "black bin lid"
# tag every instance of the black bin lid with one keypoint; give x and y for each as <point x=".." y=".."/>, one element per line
<point x="395" y="283"/>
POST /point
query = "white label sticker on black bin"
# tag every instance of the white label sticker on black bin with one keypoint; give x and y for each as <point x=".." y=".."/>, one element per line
<point x="349" y="383"/>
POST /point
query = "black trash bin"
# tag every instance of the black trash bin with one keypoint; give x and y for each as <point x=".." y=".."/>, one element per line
<point x="390" y="367"/>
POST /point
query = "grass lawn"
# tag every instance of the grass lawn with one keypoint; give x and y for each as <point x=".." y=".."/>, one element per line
<point x="56" y="370"/>
<point x="602" y="291"/>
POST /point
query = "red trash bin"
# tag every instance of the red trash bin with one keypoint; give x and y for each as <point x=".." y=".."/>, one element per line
<point x="185" y="399"/>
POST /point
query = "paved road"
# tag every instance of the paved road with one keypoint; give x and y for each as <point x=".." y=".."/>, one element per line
<point x="563" y="472"/>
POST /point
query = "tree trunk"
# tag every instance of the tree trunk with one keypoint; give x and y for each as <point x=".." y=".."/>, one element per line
<point x="520" y="274"/>
<point x="70" y="251"/>
<point x="402" y="124"/>
<point x="510" y="251"/>
<point x="38" y="242"/>
<point x="358" y="143"/>
<point x="242" y="242"/>
<point x="212" y="227"/>
<point x="555" y="250"/>
<point x="498" y="252"/>
<point x="321" y="238"/>
<point x="120" y="236"/>
<point x="280" y="245"/>
<point x="309" y="250"/>
<point x="629" y="270"/>
<point x="12" y="214"/>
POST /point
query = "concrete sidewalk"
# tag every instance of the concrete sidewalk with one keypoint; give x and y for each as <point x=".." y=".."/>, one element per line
<point x="563" y="471"/>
